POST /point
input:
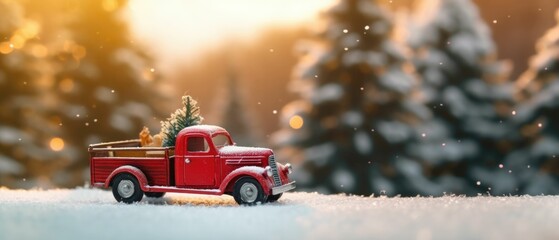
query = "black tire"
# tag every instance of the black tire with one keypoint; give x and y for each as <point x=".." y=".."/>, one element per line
<point x="154" y="194"/>
<point x="248" y="192"/>
<point x="129" y="191"/>
<point x="274" y="198"/>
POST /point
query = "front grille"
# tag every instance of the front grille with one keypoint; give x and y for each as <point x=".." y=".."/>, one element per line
<point x="274" y="166"/>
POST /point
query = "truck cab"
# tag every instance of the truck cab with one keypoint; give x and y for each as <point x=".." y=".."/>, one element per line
<point x="205" y="160"/>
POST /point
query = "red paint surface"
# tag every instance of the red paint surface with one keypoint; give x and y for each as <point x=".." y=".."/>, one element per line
<point x="192" y="168"/>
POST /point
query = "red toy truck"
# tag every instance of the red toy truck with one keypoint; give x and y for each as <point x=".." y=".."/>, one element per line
<point x="203" y="161"/>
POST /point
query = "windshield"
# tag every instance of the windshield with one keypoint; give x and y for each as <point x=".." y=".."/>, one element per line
<point x="221" y="140"/>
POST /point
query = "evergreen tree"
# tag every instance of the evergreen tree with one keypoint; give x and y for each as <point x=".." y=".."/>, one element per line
<point x="10" y="74"/>
<point x="28" y="134"/>
<point x="106" y="84"/>
<point x="357" y="112"/>
<point x="233" y="115"/>
<point x="72" y="78"/>
<point x="184" y="117"/>
<point x="469" y="94"/>
<point x="535" y="162"/>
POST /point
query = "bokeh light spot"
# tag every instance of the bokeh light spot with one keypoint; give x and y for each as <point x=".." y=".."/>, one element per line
<point x="296" y="122"/>
<point x="56" y="144"/>
<point x="5" y="48"/>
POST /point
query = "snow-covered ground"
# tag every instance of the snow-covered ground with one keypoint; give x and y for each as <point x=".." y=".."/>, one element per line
<point x="94" y="214"/>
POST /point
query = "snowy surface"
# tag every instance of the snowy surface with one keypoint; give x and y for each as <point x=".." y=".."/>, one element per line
<point x="94" y="214"/>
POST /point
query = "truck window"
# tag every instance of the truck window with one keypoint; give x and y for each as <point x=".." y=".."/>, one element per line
<point x="221" y="140"/>
<point x="197" y="144"/>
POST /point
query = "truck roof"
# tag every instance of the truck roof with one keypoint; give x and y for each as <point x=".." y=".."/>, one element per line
<point x="206" y="129"/>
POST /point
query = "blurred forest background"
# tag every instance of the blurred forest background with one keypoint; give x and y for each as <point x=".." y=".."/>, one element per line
<point x="387" y="97"/>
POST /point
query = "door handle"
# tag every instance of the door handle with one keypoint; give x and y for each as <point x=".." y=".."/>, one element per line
<point x="186" y="160"/>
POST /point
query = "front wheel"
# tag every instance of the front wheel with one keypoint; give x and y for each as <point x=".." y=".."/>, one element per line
<point x="274" y="198"/>
<point x="155" y="194"/>
<point x="126" y="188"/>
<point x="248" y="192"/>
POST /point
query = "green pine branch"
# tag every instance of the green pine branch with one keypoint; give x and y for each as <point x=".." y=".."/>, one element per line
<point x="186" y="116"/>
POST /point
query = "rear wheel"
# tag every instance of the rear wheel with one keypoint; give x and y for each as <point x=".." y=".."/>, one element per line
<point x="154" y="194"/>
<point x="248" y="192"/>
<point x="273" y="198"/>
<point x="126" y="188"/>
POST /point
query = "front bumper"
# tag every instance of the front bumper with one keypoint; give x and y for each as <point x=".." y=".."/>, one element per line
<point x="283" y="188"/>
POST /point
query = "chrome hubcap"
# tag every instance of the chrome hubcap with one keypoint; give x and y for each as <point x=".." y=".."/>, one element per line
<point x="249" y="192"/>
<point x="125" y="188"/>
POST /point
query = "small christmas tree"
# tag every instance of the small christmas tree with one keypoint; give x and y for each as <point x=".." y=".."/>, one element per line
<point x="184" y="117"/>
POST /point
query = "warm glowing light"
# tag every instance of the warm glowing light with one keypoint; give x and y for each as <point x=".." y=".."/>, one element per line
<point x="78" y="52"/>
<point x="148" y="74"/>
<point x="39" y="51"/>
<point x="56" y="144"/>
<point x="296" y="122"/>
<point x="5" y="48"/>
<point x="202" y="24"/>
<point x="109" y="5"/>
<point x="29" y="30"/>
<point x="17" y="41"/>
<point x="66" y="85"/>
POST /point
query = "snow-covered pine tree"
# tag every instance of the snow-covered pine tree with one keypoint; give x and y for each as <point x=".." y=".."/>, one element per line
<point x="89" y="83"/>
<point x="186" y="116"/>
<point x="12" y="87"/>
<point x="349" y="131"/>
<point x="469" y="93"/>
<point x="535" y="163"/>
<point x="233" y="115"/>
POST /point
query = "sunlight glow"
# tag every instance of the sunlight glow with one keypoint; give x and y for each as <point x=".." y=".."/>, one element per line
<point x="109" y="5"/>
<point x="183" y="29"/>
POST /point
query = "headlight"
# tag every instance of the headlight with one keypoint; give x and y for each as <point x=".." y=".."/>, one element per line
<point x="289" y="168"/>
<point x="269" y="171"/>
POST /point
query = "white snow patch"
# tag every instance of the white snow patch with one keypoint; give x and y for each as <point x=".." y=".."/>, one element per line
<point x="81" y="213"/>
<point x="105" y="95"/>
<point x="353" y="118"/>
<point x="328" y="92"/>
<point x="320" y="154"/>
<point x="363" y="143"/>
<point x="396" y="80"/>
<point x="121" y="122"/>
<point x="394" y="131"/>
<point x="236" y="150"/>
<point x="8" y="165"/>
<point x="9" y="135"/>
<point x="343" y="179"/>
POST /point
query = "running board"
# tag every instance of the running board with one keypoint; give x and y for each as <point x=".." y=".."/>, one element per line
<point x="183" y="190"/>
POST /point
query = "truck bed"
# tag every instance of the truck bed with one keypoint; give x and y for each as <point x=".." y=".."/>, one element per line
<point x="156" y="162"/>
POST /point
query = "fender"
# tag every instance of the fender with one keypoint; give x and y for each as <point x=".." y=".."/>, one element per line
<point x="257" y="173"/>
<point x="136" y="172"/>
